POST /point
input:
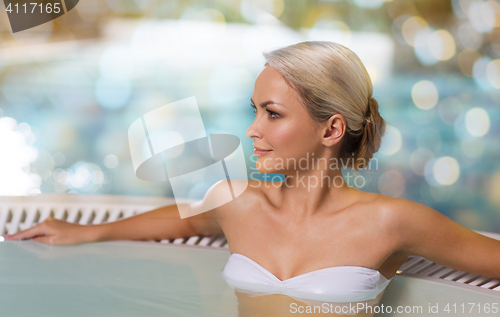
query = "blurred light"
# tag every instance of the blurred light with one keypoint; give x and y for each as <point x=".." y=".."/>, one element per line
<point x="97" y="177"/>
<point x="446" y="170"/>
<point x="494" y="36"/>
<point x="429" y="175"/>
<point x="372" y="72"/>
<point x="369" y="4"/>
<point x="493" y="73"/>
<point x="479" y="72"/>
<point x="337" y="31"/>
<point x="449" y="109"/>
<point x="410" y="28"/>
<point x="43" y="165"/>
<point x="152" y="43"/>
<point x="82" y="177"/>
<point x="419" y="158"/>
<point x="495" y="6"/>
<point x="111" y="161"/>
<point x="466" y="60"/>
<point x="477" y="121"/>
<point x="473" y="148"/>
<point x="391" y="141"/>
<point x="422" y="47"/>
<point x="15" y="161"/>
<point x="391" y="183"/>
<point x="112" y="93"/>
<point x="59" y="175"/>
<point x="461" y="130"/>
<point x="204" y="25"/>
<point x="442" y="45"/>
<point x="25" y="129"/>
<point x="228" y="85"/>
<point x="424" y="94"/>
<point x="468" y="37"/>
<point x="257" y="11"/>
<point x="117" y="61"/>
<point x="460" y="8"/>
<point x="397" y="26"/>
<point x="482" y="16"/>
<point x="493" y="188"/>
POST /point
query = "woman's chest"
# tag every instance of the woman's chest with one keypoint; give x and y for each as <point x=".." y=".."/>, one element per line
<point x="289" y="248"/>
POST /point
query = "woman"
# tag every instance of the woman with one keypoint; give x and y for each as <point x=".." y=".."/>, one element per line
<point x="313" y="103"/>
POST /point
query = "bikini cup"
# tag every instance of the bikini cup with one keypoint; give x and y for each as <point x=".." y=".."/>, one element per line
<point x="334" y="284"/>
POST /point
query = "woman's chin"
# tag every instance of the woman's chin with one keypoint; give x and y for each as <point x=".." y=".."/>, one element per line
<point x="266" y="171"/>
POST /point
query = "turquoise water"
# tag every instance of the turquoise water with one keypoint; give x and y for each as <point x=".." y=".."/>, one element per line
<point x="112" y="279"/>
<point x="131" y="278"/>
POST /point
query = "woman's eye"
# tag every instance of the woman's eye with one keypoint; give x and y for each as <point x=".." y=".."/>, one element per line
<point x="273" y="115"/>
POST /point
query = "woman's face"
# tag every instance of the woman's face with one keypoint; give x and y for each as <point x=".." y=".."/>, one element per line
<point x="282" y="125"/>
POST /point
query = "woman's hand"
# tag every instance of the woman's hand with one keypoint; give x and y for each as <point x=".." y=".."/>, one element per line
<point x="53" y="231"/>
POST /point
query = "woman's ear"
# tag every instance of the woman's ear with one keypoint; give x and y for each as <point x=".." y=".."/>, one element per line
<point x="333" y="130"/>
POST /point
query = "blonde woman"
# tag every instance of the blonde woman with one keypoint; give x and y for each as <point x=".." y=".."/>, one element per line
<point x="311" y="235"/>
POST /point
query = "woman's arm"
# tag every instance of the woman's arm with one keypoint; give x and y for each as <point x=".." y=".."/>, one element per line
<point x="426" y="232"/>
<point x="158" y="224"/>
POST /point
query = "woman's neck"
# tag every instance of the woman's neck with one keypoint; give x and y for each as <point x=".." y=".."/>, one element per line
<point x="307" y="193"/>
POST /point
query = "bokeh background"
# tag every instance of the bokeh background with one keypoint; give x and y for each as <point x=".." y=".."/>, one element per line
<point x="70" y="88"/>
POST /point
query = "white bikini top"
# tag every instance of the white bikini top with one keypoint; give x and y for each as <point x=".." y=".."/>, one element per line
<point x="340" y="284"/>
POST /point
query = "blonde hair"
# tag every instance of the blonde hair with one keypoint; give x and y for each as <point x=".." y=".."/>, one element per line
<point x="330" y="79"/>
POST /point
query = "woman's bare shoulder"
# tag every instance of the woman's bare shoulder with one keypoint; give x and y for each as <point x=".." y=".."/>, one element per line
<point x="388" y="208"/>
<point x="429" y="233"/>
<point x="381" y="208"/>
<point x="244" y="192"/>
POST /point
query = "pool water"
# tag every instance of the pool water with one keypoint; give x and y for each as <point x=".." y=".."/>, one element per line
<point x="133" y="278"/>
<point x="118" y="278"/>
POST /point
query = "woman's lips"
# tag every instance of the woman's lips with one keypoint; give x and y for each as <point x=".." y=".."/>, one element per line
<point x="260" y="152"/>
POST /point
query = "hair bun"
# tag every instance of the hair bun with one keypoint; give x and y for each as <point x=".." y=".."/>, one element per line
<point x="371" y="138"/>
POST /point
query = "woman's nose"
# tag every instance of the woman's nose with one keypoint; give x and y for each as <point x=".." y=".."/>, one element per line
<point x="254" y="130"/>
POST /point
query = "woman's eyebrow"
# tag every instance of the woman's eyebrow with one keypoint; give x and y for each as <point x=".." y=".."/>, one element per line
<point x="265" y="103"/>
